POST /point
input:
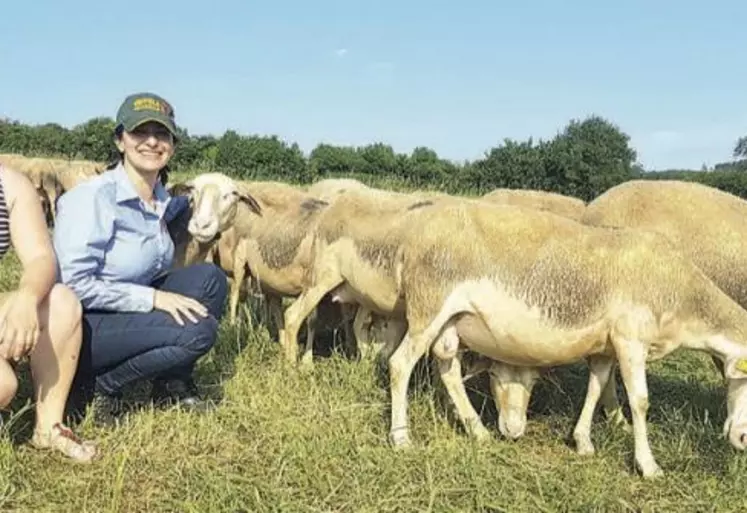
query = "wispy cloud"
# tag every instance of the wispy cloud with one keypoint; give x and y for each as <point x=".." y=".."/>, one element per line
<point x="341" y="52"/>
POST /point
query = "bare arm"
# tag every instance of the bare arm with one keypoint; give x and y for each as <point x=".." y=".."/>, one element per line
<point x="29" y="235"/>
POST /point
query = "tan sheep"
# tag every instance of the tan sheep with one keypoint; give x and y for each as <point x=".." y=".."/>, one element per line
<point x="272" y="250"/>
<point x="52" y="176"/>
<point x="534" y="289"/>
<point x="560" y="204"/>
<point x="707" y="224"/>
<point x="214" y="200"/>
<point x="329" y="188"/>
<point x="354" y="244"/>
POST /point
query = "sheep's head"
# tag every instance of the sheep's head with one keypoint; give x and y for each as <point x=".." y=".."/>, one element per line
<point x="735" y="426"/>
<point x="512" y="388"/>
<point x="214" y="199"/>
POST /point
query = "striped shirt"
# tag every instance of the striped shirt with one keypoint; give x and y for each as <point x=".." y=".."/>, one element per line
<point x="4" y="221"/>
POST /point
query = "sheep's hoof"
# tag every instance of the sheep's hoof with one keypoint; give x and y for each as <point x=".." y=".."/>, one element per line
<point x="400" y="438"/>
<point x="477" y="429"/>
<point x="584" y="447"/>
<point x="651" y="471"/>
<point x="307" y="361"/>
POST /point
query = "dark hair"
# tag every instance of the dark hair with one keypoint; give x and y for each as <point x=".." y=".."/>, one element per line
<point x="163" y="174"/>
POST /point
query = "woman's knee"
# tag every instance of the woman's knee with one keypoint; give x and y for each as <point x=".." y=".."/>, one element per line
<point x="63" y="310"/>
<point x="214" y="283"/>
<point x="8" y="384"/>
<point x="201" y="336"/>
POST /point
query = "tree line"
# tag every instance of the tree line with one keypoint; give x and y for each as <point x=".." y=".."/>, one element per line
<point x="583" y="159"/>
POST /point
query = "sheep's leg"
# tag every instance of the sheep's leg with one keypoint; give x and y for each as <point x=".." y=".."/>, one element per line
<point x="449" y="367"/>
<point x="631" y="354"/>
<point x="300" y="309"/>
<point x="361" y="325"/>
<point x="395" y="332"/>
<point x="349" y="312"/>
<point x="610" y="404"/>
<point x="600" y="368"/>
<point x="274" y="314"/>
<point x="414" y="345"/>
<point x="307" y="358"/>
<point x="53" y="206"/>
<point x="401" y="364"/>
<point x="239" y="273"/>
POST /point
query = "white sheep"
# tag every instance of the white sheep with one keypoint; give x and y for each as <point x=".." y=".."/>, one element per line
<point x="533" y="289"/>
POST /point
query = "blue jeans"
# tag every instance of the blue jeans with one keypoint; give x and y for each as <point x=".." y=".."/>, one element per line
<point x="120" y="348"/>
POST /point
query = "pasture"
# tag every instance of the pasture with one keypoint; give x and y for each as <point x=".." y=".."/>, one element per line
<point x="316" y="441"/>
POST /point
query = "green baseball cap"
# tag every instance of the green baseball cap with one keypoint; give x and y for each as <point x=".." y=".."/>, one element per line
<point x="140" y="108"/>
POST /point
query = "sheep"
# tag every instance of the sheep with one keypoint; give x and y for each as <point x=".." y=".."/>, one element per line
<point x="567" y="206"/>
<point x="52" y="177"/>
<point x="704" y="222"/>
<point x="329" y="188"/>
<point x="534" y="289"/>
<point x="354" y="243"/>
<point x="214" y="200"/>
<point x="273" y="249"/>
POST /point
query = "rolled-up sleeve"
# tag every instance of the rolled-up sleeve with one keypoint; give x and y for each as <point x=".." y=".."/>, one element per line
<point x="83" y="229"/>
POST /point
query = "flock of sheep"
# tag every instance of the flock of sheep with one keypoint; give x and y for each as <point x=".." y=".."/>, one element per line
<point x="519" y="281"/>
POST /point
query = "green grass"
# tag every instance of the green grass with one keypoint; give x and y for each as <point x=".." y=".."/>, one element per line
<point x="317" y="442"/>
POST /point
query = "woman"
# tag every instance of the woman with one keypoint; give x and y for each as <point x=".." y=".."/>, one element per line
<point x="115" y="252"/>
<point x="39" y="320"/>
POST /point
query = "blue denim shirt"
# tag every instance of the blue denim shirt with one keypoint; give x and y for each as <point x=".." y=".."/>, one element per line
<point x="110" y="245"/>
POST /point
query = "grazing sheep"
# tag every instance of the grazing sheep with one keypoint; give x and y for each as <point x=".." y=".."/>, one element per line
<point x="707" y="224"/>
<point x="534" y="289"/>
<point x="567" y="206"/>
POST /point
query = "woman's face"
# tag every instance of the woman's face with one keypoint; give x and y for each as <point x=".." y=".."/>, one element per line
<point x="148" y="148"/>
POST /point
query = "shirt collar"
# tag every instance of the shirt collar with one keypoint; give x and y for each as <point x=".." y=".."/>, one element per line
<point x="126" y="191"/>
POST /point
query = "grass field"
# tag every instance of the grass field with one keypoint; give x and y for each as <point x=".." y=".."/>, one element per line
<point x="317" y="441"/>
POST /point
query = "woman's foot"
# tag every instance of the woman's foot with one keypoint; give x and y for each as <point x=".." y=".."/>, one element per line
<point x="62" y="439"/>
<point x="179" y="392"/>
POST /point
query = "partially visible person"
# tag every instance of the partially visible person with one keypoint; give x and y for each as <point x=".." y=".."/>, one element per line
<point x="142" y="320"/>
<point x="40" y="319"/>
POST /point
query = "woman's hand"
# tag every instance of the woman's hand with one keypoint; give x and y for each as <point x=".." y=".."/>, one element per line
<point x="19" y="325"/>
<point x="178" y="305"/>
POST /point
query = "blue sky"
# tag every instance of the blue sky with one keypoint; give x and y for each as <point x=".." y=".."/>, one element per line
<point x="457" y="79"/>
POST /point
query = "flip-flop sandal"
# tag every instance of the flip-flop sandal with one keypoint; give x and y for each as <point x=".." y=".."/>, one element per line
<point x="62" y="438"/>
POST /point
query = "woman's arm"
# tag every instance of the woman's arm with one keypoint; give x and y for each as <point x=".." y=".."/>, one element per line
<point x="84" y="226"/>
<point x="29" y="236"/>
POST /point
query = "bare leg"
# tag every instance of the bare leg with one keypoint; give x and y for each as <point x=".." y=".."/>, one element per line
<point x="54" y="362"/>
<point x="600" y="369"/>
<point x="8" y="384"/>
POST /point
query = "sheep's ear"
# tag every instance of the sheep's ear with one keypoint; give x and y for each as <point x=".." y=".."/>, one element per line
<point x="249" y="200"/>
<point x="181" y="189"/>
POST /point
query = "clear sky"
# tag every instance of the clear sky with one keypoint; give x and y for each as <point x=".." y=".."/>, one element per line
<point x="457" y="77"/>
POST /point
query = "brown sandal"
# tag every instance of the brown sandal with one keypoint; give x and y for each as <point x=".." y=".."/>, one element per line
<point x="63" y="439"/>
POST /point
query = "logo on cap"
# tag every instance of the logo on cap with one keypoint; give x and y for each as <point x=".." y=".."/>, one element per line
<point x="152" y="104"/>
